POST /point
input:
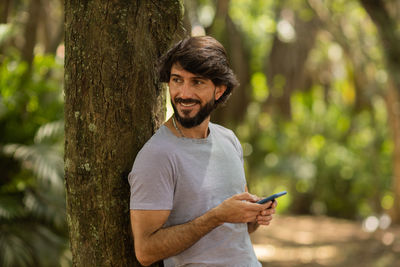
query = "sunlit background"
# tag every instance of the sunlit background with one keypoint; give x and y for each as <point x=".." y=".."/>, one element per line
<point x="312" y="113"/>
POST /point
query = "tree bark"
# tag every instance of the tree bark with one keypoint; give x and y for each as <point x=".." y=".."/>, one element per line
<point x="387" y="28"/>
<point x="113" y="104"/>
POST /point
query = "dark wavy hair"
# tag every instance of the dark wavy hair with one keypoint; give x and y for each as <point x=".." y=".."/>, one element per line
<point x="204" y="56"/>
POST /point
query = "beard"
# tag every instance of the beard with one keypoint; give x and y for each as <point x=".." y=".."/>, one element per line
<point x="201" y="115"/>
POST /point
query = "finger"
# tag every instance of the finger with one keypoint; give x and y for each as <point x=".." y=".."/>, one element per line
<point x="259" y="207"/>
<point x="251" y="217"/>
<point x="267" y="205"/>
<point x="267" y="212"/>
<point x="264" y="219"/>
<point x="264" y="222"/>
<point x="271" y="204"/>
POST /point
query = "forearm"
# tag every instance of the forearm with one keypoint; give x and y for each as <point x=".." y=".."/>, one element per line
<point x="170" y="241"/>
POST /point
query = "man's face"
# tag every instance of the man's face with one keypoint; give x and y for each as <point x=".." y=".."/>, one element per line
<point x="192" y="96"/>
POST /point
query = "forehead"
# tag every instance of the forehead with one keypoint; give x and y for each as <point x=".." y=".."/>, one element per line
<point x="177" y="70"/>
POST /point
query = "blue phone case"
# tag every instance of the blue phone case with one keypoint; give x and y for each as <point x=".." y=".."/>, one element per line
<point x="272" y="197"/>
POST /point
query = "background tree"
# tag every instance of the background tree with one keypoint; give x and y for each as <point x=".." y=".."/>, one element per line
<point x="322" y="154"/>
<point x="385" y="15"/>
<point x="226" y="31"/>
<point x="293" y="40"/>
<point x="113" y="104"/>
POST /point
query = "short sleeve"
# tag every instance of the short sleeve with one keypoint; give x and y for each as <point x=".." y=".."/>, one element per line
<point x="151" y="180"/>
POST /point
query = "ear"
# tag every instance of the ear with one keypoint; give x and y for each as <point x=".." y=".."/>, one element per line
<point x="219" y="91"/>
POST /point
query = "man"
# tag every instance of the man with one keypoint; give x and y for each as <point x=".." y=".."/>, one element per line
<point x="189" y="202"/>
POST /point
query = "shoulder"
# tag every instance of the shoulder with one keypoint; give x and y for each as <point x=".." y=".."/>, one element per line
<point x="222" y="131"/>
<point x="156" y="159"/>
<point x="159" y="146"/>
<point x="225" y="133"/>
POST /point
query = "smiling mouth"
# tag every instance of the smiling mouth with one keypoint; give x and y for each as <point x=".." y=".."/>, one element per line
<point x="188" y="104"/>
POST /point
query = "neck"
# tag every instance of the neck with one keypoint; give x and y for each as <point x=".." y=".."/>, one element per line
<point x="198" y="132"/>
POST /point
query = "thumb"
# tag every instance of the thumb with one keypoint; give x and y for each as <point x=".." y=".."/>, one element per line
<point x="246" y="196"/>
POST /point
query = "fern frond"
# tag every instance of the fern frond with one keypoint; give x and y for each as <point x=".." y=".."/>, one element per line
<point x="52" y="130"/>
<point x="44" y="160"/>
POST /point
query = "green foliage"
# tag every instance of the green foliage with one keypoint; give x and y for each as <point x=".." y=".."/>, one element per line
<point x="334" y="155"/>
<point x="33" y="230"/>
<point x="339" y="163"/>
<point x="257" y="20"/>
<point x="22" y="98"/>
<point x="32" y="207"/>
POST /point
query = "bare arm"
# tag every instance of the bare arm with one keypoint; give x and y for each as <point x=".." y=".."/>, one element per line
<point x="153" y="243"/>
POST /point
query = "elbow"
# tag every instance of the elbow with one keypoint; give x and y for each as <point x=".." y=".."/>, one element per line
<point x="144" y="258"/>
<point x="144" y="262"/>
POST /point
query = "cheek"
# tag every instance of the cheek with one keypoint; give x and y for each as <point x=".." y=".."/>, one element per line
<point x="172" y="91"/>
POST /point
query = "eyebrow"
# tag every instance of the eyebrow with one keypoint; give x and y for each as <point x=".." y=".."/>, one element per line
<point x="195" y="77"/>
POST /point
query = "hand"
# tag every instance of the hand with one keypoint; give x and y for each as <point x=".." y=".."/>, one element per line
<point x="241" y="208"/>
<point x="265" y="216"/>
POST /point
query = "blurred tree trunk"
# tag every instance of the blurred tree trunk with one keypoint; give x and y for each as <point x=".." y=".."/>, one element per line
<point x="53" y="25"/>
<point x="31" y="31"/>
<point x="285" y="67"/>
<point x="228" y="34"/>
<point x="387" y="27"/>
<point x="4" y="9"/>
<point x="57" y="38"/>
<point x="358" y="59"/>
<point x="393" y="108"/>
<point x="190" y="17"/>
<point x="113" y="104"/>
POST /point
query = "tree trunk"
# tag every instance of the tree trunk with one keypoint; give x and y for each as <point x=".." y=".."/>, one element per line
<point x="358" y="58"/>
<point x="52" y="25"/>
<point x="393" y="109"/>
<point x="4" y="9"/>
<point x="388" y="32"/>
<point x="113" y="104"/>
<point x="230" y="36"/>
<point x="285" y="67"/>
<point x="30" y="32"/>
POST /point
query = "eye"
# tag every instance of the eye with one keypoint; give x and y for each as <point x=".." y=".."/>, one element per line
<point x="176" y="79"/>
<point x="198" y="82"/>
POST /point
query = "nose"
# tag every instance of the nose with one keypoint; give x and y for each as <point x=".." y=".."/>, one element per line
<point x="186" y="91"/>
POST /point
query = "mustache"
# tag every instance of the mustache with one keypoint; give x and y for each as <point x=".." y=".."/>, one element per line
<point x="178" y="100"/>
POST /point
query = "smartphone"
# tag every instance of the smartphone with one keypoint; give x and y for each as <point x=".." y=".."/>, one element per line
<point x="271" y="197"/>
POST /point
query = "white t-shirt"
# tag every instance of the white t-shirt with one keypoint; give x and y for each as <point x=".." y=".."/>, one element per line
<point x="189" y="177"/>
